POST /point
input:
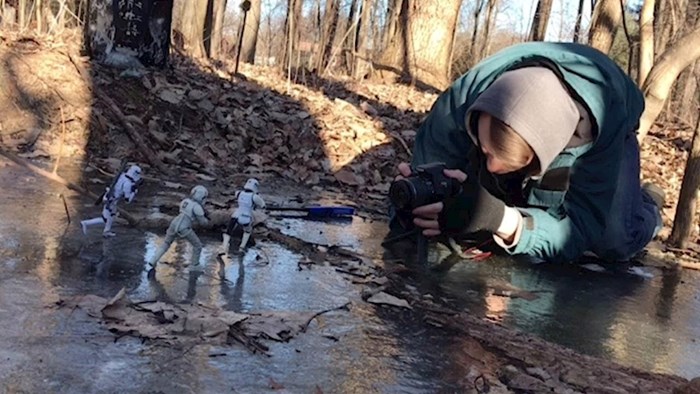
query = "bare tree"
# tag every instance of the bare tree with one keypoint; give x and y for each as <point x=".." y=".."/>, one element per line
<point x="607" y="16"/>
<point x="478" y="8"/>
<point x="362" y="60"/>
<point x="540" y="20"/>
<point x="330" y="26"/>
<point x="218" y="8"/>
<point x="664" y="73"/>
<point x="491" y="12"/>
<point x="351" y="36"/>
<point x="292" y="30"/>
<point x="421" y="46"/>
<point x="22" y="13"/>
<point x="579" y="17"/>
<point x="250" y="32"/>
<point x="646" y="41"/>
<point x="685" y="97"/>
<point x="189" y="26"/>
<point x="687" y="201"/>
<point x="392" y="24"/>
<point x="668" y="20"/>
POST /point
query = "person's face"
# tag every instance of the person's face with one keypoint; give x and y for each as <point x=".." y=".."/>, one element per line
<point x="493" y="164"/>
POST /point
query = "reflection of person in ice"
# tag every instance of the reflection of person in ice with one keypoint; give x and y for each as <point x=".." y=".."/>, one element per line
<point x="232" y="294"/>
<point x="160" y="294"/>
<point x="192" y="285"/>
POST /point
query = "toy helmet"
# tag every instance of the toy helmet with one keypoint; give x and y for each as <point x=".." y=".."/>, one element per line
<point x="134" y="172"/>
<point x="251" y="185"/>
<point x="199" y="193"/>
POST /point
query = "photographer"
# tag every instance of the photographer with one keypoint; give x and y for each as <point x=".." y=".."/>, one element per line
<point x="542" y="139"/>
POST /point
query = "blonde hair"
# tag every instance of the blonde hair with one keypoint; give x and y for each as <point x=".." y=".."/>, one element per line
<point x="512" y="149"/>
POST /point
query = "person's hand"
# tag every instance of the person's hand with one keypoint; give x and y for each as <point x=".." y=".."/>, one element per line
<point x="404" y="171"/>
<point x="473" y="210"/>
<point x="427" y="216"/>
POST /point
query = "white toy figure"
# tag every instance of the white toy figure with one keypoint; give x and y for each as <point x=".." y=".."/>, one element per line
<point x="191" y="212"/>
<point x="248" y="201"/>
<point x="126" y="187"/>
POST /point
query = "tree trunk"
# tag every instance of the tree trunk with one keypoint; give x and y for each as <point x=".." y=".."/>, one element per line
<point x="540" y="20"/>
<point x="291" y="30"/>
<point x="664" y="73"/>
<point x="318" y="23"/>
<point x="22" y="13"/>
<point x="450" y="63"/>
<point x="219" y="12"/>
<point x="250" y="32"/>
<point x="330" y="26"/>
<point x="392" y="24"/>
<point x="646" y="41"/>
<point x="350" y="37"/>
<point x="685" y="98"/>
<point x="209" y="27"/>
<point x="478" y="7"/>
<point x="189" y="26"/>
<point x="8" y="16"/>
<point x="421" y="46"/>
<point x="668" y="20"/>
<point x="491" y="12"/>
<point x="38" y="7"/>
<point x="687" y="201"/>
<point x="362" y="60"/>
<point x="607" y="16"/>
<point x="579" y="17"/>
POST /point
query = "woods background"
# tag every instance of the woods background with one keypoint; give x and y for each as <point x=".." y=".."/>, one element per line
<point x="428" y="43"/>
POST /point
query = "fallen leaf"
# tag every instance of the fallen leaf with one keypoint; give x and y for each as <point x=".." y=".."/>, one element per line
<point x="383" y="298"/>
<point x="172" y="185"/>
<point x="369" y="110"/>
<point x="170" y="96"/>
<point x="205" y="177"/>
<point x="205" y="105"/>
<point x="256" y="159"/>
<point x="347" y="177"/>
<point x="116" y="307"/>
<point x="275" y="386"/>
<point x="196" y="94"/>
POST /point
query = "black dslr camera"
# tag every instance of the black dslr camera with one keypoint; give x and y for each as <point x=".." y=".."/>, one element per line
<point x="426" y="185"/>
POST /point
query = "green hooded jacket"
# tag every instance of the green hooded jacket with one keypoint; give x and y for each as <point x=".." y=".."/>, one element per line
<point x="560" y="223"/>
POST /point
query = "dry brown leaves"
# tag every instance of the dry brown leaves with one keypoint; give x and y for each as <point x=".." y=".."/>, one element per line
<point x="171" y="323"/>
<point x="331" y="133"/>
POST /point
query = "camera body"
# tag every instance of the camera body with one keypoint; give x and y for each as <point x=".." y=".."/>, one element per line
<point x="426" y="185"/>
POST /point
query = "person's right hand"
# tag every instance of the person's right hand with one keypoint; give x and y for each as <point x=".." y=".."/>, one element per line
<point x="404" y="171"/>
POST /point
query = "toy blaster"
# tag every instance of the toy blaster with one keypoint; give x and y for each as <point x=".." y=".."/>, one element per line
<point x="319" y="211"/>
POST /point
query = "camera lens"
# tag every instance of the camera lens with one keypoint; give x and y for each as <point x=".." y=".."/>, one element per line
<point x="402" y="194"/>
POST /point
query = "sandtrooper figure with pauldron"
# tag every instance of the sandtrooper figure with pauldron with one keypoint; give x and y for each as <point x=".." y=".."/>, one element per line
<point x="243" y="217"/>
<point x="191" y="212"/>
<point x="126" y="187"/>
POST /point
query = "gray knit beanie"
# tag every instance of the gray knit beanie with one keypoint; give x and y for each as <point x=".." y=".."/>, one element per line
<point x="536" y="105"/>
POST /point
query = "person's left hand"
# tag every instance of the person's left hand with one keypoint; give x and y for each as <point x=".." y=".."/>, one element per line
<point x="426" y="216"/>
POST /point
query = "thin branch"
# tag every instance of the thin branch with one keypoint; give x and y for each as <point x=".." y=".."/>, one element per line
<point x="629" y="39"/>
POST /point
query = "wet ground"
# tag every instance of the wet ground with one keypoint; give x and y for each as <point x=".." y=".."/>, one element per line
<point x="652" y="323"/>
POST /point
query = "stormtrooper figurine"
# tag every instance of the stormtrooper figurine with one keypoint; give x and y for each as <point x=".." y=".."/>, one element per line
<point x="248" y="201"/>
<point x="191" y="212"/>
<point x="126" y="187"/>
